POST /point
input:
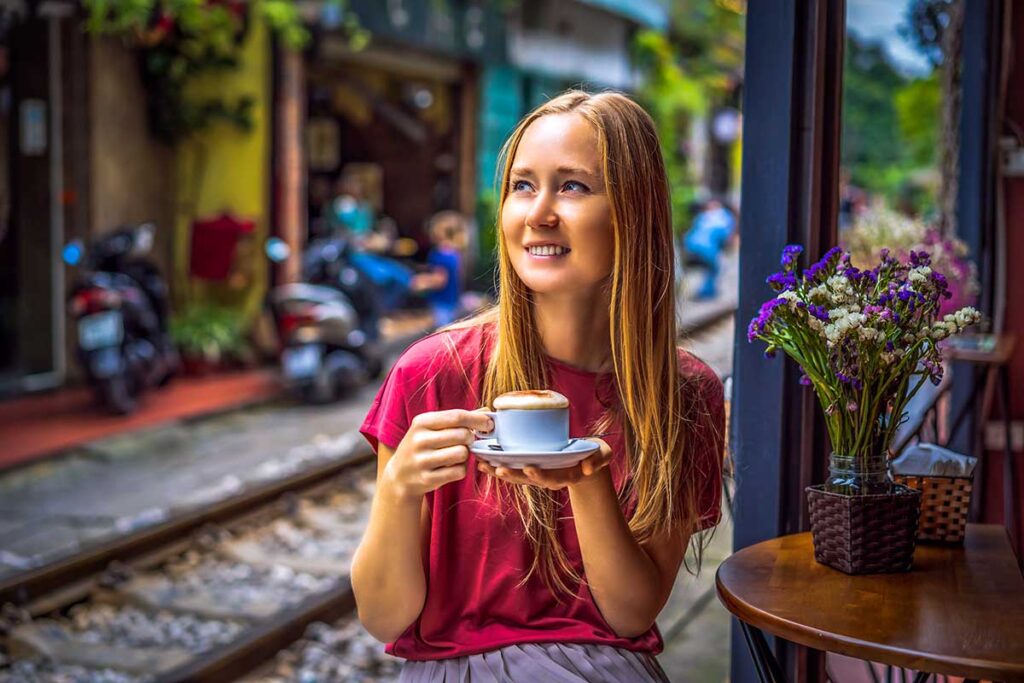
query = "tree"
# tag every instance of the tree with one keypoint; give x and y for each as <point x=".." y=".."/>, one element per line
<point x="697" y="64"/>
<point x="936" y="26"/>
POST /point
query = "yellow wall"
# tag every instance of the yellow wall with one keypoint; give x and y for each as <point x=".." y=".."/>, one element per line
<point x="228" y="169"/>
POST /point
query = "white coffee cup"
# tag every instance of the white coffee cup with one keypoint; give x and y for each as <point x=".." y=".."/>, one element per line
<point x="534" y="420"/>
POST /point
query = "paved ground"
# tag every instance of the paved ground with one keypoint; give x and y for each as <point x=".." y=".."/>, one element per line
<point x="694" y="623"/>
<point x="57" y="507"/>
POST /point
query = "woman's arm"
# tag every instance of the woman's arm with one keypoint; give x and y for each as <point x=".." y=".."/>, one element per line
<point x="630" y="581"/>
<point x="387" y="571"/>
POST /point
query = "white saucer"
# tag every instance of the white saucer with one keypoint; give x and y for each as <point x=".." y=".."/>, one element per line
<point x="576" y="451"/>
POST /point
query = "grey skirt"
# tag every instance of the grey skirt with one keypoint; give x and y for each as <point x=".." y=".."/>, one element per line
<point x="540" y="663"/>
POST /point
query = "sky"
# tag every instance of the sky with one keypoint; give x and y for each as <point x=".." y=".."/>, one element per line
<point x="880" y="20"/>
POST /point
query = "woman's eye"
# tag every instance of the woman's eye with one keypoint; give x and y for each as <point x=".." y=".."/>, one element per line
<point x="574" y="186"/>
<point x="519" y="185"/>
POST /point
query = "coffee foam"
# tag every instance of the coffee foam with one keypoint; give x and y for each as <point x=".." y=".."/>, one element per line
<point x="534" y="399"/>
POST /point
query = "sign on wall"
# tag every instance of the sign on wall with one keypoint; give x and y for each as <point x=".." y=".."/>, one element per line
<point x="32" y="127"/>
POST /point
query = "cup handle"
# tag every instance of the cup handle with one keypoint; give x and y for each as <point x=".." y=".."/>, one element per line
<point x="494" y="418"/>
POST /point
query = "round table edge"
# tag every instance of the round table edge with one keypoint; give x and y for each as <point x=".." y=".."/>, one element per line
<point x="853" y="647"/>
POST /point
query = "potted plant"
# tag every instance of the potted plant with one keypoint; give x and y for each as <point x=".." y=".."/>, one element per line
<point x="866" y="341"/>
<point x="207" y="336"/>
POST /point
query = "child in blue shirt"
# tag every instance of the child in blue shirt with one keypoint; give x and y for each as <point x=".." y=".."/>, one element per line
<point x="449" y="236"/>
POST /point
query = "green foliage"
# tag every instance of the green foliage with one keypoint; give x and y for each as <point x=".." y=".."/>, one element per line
<point x="184" y="39"/>
<point x="890" y="127"/>
<point x="210" y="332"/>
<point x="917" y="112"/>
<point x="673" y="99"/>
<point x="486" y="216"/>
<point x="695" y="66"/>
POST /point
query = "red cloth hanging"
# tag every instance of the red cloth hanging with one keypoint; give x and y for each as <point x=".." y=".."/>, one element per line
<point x="214" y="241"/>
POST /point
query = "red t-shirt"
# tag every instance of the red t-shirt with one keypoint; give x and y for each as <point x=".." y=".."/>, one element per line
<point x="478" y="555"/>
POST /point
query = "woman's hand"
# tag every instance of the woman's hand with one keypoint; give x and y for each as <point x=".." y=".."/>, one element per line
<point x="554" y="479"/>
<point x="433" y="452"/>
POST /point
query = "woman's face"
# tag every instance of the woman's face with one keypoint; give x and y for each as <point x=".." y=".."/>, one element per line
<point x="556" y="219"/>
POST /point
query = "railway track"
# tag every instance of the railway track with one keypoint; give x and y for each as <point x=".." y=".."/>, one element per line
<point x="205" y="597"/>
<point x="254" y="588"/>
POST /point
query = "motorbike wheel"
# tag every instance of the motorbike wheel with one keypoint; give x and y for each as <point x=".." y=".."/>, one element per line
<point x="117" y="395"/>
<point x="321" y="389"/>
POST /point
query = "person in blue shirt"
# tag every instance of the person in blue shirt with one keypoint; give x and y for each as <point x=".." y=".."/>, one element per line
<point x="704" y="242"/>
<point x="449" y="235"/>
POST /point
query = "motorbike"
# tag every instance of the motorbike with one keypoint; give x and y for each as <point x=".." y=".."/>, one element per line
<point x="328" y="324"/>
<point x="120" y="305"/>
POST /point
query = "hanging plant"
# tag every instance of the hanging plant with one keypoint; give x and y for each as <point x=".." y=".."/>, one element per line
<point x="181" y="40"/>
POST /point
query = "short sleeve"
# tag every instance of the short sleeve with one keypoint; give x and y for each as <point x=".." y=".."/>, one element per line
<point x="428" y="376"/>
<point x="388" y="418"/>
<point x="705" y="412"/>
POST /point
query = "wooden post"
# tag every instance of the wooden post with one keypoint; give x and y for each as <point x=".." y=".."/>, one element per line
<point x="291" y="173"/>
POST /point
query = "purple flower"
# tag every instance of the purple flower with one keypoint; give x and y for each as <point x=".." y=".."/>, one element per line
<point x="920" y="258"/>
<point x="889" y="346"/>
<point x="783" y="281"/>
<point x="790" y="254"/>
<point x="805" y="380"/>
<point x="823" y="265"/>
<point x="852" y="406"/>
<point x="764" y="317"/>
<point x="819" y="312"/>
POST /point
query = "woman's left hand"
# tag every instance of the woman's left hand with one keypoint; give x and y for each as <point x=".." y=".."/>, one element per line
<point x="554" y="479"/>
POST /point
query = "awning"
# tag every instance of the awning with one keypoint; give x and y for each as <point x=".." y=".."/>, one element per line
<point x="649" y="13"/>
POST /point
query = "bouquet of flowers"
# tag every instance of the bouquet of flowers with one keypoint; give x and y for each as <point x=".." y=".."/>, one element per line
<point x="865" y="340"/>
<point x="882" y="228"/>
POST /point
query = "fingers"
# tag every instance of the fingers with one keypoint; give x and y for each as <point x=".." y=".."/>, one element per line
<point x="445" y="457"/>
<point x="503" y="473"/>
<point x="452" y="436"/>
<point x="554" y="479"/>
<point x="445" y="419"/>
<point x="595" y="462"/>
<point x="444" y="475"/>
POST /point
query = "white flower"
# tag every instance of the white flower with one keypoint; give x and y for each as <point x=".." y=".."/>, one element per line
<point x="919" y="274"/>
<point x="789" y="297"/>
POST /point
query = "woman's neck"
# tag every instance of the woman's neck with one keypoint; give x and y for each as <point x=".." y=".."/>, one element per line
<point x="575" y="329"/>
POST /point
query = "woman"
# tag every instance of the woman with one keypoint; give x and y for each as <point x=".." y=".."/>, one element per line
<point x="473" y="573"/>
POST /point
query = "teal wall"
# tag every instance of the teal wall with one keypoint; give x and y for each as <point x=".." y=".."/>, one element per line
<point x="501" y="107"/>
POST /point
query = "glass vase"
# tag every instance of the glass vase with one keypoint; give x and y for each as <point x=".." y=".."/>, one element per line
<point x="858" y="476"/>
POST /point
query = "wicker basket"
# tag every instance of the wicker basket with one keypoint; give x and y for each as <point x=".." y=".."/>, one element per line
<point x="945" y="502"/>
<point x="870" y="534"/>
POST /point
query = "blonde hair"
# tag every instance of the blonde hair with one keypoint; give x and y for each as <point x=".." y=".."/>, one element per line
<point x="643" y="336"/>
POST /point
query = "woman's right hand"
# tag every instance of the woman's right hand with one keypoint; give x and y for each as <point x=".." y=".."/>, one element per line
<point x="433" y="452"/>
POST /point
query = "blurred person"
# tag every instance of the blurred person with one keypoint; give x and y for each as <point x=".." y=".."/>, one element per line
<point x="465" y="569"/>
<point x="352" y="214"/>
<point x="449" y="235"/>
<point x="704" y="242"/>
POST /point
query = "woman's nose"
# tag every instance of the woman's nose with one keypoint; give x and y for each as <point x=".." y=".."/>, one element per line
<point x="542" y="213"/>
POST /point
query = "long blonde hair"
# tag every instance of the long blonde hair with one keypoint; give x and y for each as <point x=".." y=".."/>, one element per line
<point x="643" y="335"/>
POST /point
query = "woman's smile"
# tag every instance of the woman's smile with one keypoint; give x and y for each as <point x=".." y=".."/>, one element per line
<point x="545" y="252"/>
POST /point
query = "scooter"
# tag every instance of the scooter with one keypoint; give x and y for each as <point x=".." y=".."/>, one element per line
<point x="120" y="304"/>
<point x="328" y="348"/>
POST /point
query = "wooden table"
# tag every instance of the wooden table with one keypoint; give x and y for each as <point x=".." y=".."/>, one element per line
<point x="959" y="612"/>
